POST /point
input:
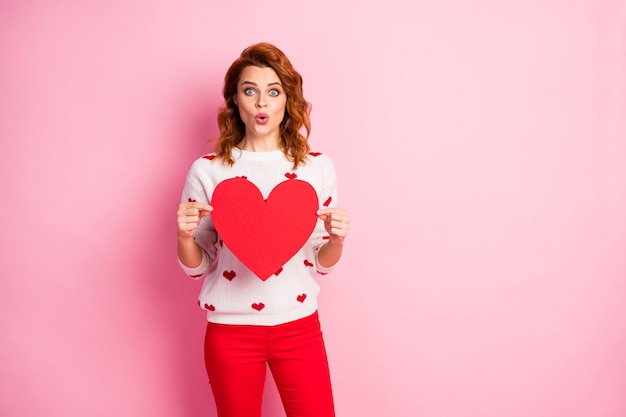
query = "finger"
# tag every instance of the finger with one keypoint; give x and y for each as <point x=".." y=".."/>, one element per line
<point x="330" y="211"/>
<point x="337" y="220"/>
<point x="206" y="211"/>
<point x="205" y="207"/>
<point x="196" y="205"/>
<point x="332" y="216"/>
<point x="202" y="211"/>
<point x="335" y="226"/>
<point x="189" y="215"/>
<point x="187" y="223"/>
<point x="333" y="213"/>
<point x="338" y="232"/>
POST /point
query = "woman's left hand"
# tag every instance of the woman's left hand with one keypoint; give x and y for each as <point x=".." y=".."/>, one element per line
<point x="336" y="222"/>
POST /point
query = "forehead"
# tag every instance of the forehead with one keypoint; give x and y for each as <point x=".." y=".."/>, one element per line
<point x="259" y="75"/>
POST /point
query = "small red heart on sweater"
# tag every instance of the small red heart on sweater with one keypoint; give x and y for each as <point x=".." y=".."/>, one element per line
<point x="307" y="263"/>
<point x="229" y="275"/>
<point x="196" y="276"/>
<point x="191" y="200"/>
<point x="290" y="175"/>
<point x="264" y="233"/>
<point x="209" y="157"/>
<point x="210" y="307"/>
<point x="315" y="153"/>
<point x="301" y="298"/>
<point x="279" y="271"/>
<point x="258" y="307"/>
<point x="327" y="202"/>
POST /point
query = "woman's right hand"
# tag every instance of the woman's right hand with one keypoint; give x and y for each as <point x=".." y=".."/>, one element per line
<point x="189" y="216"/>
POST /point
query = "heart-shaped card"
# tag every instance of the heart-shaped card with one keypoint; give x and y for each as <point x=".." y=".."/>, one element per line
<point x="264" y="233"/>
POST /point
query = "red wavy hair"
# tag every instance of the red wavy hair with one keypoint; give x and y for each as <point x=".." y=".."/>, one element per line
<point x="294" y="144"/>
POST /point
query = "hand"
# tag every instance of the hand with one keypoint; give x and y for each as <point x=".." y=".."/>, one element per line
<point x="189" y="216"/>
<point x="336" y="222"/>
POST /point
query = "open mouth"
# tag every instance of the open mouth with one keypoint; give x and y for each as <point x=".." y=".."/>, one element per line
<point x="262" y="118"/>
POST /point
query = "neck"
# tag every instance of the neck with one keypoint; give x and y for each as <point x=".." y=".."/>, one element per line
<point x="260" y="144"/>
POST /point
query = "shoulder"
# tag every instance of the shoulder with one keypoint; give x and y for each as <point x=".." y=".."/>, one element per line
<point x="204" y="162"/>
<point x="319" y="159"/>
<point x="206" y="166"/>
<point x="206" y="159"/>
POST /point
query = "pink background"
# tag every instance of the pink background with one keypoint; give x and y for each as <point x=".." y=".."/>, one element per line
<point x="480" y="148"/>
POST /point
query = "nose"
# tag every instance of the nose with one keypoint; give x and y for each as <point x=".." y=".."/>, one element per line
<point x="260" y="103"/>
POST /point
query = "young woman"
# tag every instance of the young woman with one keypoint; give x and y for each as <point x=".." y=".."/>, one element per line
<point x="255" y="322"/>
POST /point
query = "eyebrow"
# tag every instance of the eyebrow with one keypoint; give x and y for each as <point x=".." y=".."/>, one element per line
<point x="255" y="84"/>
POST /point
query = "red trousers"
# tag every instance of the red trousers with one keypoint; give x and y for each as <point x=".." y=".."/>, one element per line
<point x="237" y="357"/>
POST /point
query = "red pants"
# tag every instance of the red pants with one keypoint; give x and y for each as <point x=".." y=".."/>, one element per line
<point x="236" y="358"/>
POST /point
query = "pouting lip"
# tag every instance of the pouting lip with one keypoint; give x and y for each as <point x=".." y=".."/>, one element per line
<point x="262" y="118"/>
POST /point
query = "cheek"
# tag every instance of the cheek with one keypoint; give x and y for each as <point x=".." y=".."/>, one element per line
<point x="282" y="108"/>
<point x="244" y="107"/>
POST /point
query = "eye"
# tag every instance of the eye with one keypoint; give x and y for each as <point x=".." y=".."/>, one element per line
<point x="274" y="93"/>
<point x="249" y="91"/>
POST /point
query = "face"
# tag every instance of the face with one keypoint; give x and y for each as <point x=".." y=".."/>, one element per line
<point x="261" y="101"/>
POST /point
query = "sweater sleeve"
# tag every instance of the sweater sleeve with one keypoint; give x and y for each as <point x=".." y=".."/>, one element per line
<point x="328" y="198"/>
<point x="205" y="234"/>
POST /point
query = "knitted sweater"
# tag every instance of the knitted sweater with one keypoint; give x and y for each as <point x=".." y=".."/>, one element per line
<point x="231" y="293"/>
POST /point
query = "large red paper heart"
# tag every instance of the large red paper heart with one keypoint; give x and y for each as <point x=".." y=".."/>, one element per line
<point x="264" y="234"/>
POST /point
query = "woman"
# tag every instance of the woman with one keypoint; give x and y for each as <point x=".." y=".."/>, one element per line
<point x="256" y="321"/>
